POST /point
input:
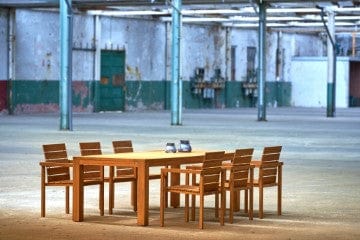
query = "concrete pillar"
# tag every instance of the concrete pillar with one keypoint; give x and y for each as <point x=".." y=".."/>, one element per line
<point x="65" y="65"/>
<point x="228" y="54"/>
<point x="97" y="45"/>
<point x="262" y="63"/>
<point x="11" y="57"/>
<point x="331" y="73"/>
<point x="176" y="84"/>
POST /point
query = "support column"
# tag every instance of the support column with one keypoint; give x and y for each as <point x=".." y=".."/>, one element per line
<point x="65" y="65"/>
<point x="331" y="73"/>
<point x="176" y="84"/>
<point x="11" y="58"/>
<point x="262" y="63"/>
<point x="97" y="45"/>
<point x="228" y="54"/>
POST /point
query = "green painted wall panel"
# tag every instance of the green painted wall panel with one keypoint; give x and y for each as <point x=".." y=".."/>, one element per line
<point x="149" y="94"/>
<point x="43" y="96"/>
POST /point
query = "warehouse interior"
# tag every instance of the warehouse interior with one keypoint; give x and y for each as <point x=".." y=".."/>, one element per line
<point x="260" y="73"/>
<point x="232" y="73"/>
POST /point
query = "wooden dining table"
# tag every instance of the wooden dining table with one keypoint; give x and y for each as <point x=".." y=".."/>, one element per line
<point x="142" y="161"/>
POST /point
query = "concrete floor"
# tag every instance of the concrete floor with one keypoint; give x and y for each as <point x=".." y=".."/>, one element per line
<point x="321" y="193"/>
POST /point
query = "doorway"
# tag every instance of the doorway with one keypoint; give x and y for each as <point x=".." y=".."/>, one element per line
<point x="112" y="81"/>
<point x="354" y="98"/>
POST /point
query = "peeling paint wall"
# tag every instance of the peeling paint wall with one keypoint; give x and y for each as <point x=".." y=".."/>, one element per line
<point x="144" y="43"/>
<point x="202" y="47"/>
<point x="3" y="44"/>
<point x="309" y="79"/>
<point x="145" y="46"/>
<point x="242" y="39"/>
<point x="3" y="58"/>
<point x="37" y="45"/>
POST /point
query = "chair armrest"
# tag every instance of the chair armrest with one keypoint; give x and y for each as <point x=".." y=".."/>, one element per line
<point x="194" y="167"/>
<point x="256" y="163"/>
<point x="56" y="164"/>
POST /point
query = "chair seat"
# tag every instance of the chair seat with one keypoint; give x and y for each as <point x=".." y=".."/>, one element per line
<point x="256" y="184"/>
<point x="60" y="183"/>
<point x="155" y="176"/>
<point x="184" y="188"/>
<point x="227" y="185"/>
<point x="124" y="178"/>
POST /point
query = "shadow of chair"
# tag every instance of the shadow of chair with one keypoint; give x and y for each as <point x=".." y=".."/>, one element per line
<point x="211" y="175"/>
<point x="55" y="171"/>
<point x="240" y="177"/>
<point x="270" y="175"/>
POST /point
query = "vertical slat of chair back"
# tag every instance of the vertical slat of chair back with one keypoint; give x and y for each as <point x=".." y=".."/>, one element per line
<point x="123" y="146"/>
<point x="239" y="174"/>
<point x="91" y="148"/>
<point x="270" y="159"/>
<point x="56" y="153"/>
<point x="211" y="170"/>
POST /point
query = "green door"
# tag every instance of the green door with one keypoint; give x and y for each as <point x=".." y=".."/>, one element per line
<point x="112" y="82"/>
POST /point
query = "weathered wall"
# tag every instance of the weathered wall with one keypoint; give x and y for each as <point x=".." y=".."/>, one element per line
<point x="3" y="44"/>
<point x="147" y="52"/>
<point x="3" y="58"/>
<point x="309" y="81"/>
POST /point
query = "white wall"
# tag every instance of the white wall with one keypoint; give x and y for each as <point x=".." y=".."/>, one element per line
<point x="3" y="44"/>
<point x="309" y="82"/>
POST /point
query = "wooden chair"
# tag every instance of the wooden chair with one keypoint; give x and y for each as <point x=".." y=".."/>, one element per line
<point x="90" y="172"/>
<point x="122" y="174"/>
<point x="270" y="175"/>
<point x="210" y="176"/>
<point x="125" y="174"/>
<point x="240" y="177"/>
<point x="55" y="171"/>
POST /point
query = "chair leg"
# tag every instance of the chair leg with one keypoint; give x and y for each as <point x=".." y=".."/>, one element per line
<point x="261" y="202"/>
<point x="237" y="198"/>
<point x="166" y="195"/>
<point x="186" y="207"/>
<point x="232" y="205"/>
<point x="251" y="210"/>
<point x="101" y="199"/>
<point x="201" y="212"/>
<point x="279" y="199"/>
<point x="162" y="197"/>
<point x="111" y="196"/>
<point x="193" y="198"/>
<point x="246" y="201"/>
<point x="279" y="188"/>
<point x="67" y="200"/>
<point x="217" y="205"/>
<point x="134" y="195"/>
<point x="43" y="192"/>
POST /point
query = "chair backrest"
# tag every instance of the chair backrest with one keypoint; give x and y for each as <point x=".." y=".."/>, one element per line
<point x="123" y="146"/>
<point x="91" y="148"/>
<point x="211" y="171"/>
<point x="270" y="161"/>
<point x="240" y="167"/>
<point x="56" y="153"/>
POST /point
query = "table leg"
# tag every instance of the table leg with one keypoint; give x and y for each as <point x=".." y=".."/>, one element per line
<point x="78" y="192"/>
<point x="143" y="194"/>
<point x="175" y="180"/>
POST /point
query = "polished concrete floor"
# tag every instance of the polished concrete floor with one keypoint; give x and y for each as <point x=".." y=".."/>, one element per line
<point x="321" y="159"/>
